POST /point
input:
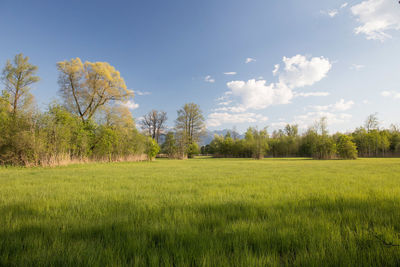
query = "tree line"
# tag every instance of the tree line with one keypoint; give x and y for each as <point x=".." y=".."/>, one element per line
<point x="89" y="123"/>
<point x="366" y="141"/>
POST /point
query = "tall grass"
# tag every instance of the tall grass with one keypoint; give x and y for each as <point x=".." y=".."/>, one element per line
<point x="202" y="212"/>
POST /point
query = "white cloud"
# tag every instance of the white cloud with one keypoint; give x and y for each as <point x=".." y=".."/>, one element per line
<point x="392" y="94"/>
<point x="302" y="94"/>
<point x="279" y="125"/>
<point x="341" y="105"/>
<point x="366" y="102"/>
<point x="130" y="104"/>
<point x="276" y="69"/>
<point x="249" y="59"/>
<point x="296" y="72"/>
<point x="300" y="71"/>
<point x="357" y="67"/>
<point x="234" y="109"/>
<point x="230" y="73"/>
<point x="332" y="13"/>
<point x="377" y="17"/>
<point x="218" y="118"/>
<point x="141" y="93"/>
<point x="225" y="103"/>
<point x="209" y="79"/>
<point x="257" y="94"/>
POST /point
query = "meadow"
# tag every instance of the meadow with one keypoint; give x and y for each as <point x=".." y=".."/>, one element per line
<point x="202" y="212"/>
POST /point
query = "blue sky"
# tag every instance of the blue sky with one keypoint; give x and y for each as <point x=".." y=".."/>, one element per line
<point x="339" y="59"/>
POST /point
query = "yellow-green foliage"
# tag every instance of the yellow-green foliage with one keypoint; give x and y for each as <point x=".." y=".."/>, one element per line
<point x="88" y="86"/>
<point x="202" y="212"/>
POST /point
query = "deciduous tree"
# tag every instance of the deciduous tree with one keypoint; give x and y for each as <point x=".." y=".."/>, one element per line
<point x="88" y="86"/>
<point x="190" y="124"/>
<point x="154" y="123"/>
<point x="18" y="76"/>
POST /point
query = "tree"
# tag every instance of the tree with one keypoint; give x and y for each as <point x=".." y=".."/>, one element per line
<point x="321" y="127"/>
<point x="235" y="134"/>
<point x="169" y="147"/>
<point x="257" y="142"/>
<point x="192" y="150"/>
<point x="346" y="148"/>
<point x="89" y="86"/>
<point x="190" y="124"/>
<point x="372" y="122"/>
<point x="292" y="130"/>
<point x="154" y="122"/>
<point x="325" y="147"/>
<point x="118" y="117"/>
<point x="17" y="77"/>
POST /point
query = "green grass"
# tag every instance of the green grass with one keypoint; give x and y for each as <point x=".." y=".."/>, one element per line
<point x="202" y="212"/>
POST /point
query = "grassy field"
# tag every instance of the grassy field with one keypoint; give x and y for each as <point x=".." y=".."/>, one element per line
<point x="203" y="212"/>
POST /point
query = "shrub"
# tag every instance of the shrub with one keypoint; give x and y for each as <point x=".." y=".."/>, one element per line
<point x="152" y="149"/>
<point x="346" y="148"/>
<point x="192" y="150"/>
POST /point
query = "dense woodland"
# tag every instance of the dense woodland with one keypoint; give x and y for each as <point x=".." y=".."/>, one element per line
<point x="366" y="141"/>
<point x="91" y="123"/>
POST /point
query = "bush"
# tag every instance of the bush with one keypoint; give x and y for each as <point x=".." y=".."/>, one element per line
<point x="192" y="150"/>
<point x="152" y="149"/>
<point x="346" y="148"/>
<point x="325" y="147"/>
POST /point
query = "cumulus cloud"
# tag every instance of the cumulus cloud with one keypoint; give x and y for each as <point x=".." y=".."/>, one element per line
<point x="257" y="94"/>
<point x="225" y="103"/>
<point x="276" y="69"/>
<point x="130" y="104"/>
<point x="209" y="79"/>
<point x="300" y="71"/>
<point x="235" y="109"/>
<point x="377" y="17"/>
<point x="249" y="59"/>
<point x="342" y="105"/>
<point x="392" y="94"/>
<point x="230" y="73"/>
<point x="218" y="118"/>
<point x="297" y="71"/>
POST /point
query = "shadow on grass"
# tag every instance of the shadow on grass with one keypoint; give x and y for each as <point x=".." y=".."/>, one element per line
<point x="314" y="231"/>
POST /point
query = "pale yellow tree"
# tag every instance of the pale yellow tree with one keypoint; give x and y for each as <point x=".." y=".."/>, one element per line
<point x="18" y="76"/>
<point x="88" y="86"/>
<point x="118" y="117"/>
